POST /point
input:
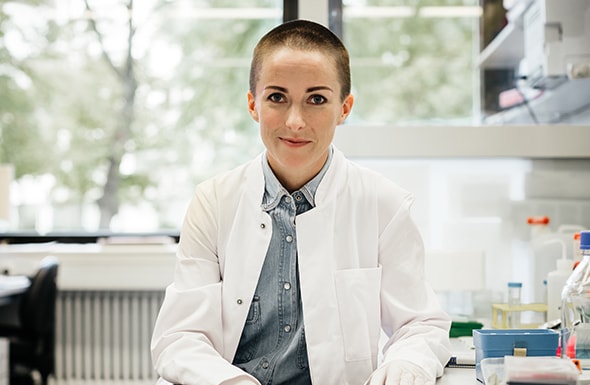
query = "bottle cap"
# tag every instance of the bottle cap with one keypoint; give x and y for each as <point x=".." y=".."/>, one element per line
<point x="514" y="284"/>
<point x="540" y="220"/>
<point x="585" y="240"/>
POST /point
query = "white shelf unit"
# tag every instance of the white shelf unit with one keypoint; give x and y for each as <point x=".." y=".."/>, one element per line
<point x="563" y="101"/>
<point x="505" y="51"/>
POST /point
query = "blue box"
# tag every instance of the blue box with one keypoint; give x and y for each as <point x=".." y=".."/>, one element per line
<point x="505" y="342"/>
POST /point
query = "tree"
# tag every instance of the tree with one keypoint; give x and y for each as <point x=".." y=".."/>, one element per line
<point x="125" y="74"/>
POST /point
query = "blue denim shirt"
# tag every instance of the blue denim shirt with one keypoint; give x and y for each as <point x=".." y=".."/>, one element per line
<point x="272" y="346"/>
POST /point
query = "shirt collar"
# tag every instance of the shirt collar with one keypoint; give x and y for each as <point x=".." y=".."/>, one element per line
<point x="274" y="191"/>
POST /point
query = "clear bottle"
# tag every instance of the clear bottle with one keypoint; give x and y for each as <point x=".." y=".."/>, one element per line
<point x="575" y="309"/>
<point x="514" y="301"/>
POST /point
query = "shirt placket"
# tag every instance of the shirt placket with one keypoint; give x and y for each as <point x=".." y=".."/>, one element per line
<point x="287" y="275"/>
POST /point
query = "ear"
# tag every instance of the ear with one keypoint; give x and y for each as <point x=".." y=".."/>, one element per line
<point x="346" y="108"/>
<point x="252" y="106"/>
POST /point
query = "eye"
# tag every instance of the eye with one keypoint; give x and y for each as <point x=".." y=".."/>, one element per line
<point x="317" y="99"/>
<point x="276" y="97"/>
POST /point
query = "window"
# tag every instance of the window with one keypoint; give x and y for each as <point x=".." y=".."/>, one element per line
<point x="113" y="110"/>
<point x="413" y="61"/>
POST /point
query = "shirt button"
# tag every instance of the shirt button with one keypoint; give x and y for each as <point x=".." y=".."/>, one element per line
<point x="287" y="328"/>
<point x="265" y="364"/>
<point x="286" y="286"/>
<point x="289" y="238"/>
<point x="288" y="199"/>
<point x="298" y="197"/>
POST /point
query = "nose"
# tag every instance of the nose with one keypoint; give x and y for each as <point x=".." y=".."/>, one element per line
<point x="295" y="119"/>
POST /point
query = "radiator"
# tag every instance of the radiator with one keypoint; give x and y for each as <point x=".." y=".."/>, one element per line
<point x="103" y="337"/>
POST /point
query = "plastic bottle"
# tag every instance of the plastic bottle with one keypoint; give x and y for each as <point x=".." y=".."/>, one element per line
<point x="575" y="309"/>
<point x="542" y="259"/>
<point x="556" y="280"/>
<point x="514" y="300"/>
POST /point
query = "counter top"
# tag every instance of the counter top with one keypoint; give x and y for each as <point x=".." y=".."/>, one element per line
<point x="458" y="376"/>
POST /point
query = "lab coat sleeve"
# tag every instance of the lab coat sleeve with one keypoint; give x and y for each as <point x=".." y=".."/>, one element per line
<point x="187" y="341"/>
<point x="418" y="329"/>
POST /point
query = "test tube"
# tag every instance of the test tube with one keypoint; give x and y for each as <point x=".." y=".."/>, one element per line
<point x="514" y="301"/>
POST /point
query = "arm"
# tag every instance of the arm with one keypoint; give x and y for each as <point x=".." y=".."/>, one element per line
<point x="187" y="341"/>
<point x="417" y="328"/>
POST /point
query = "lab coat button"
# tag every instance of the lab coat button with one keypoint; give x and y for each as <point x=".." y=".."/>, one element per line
<point x="262" y="225"/>
<point x="239" y="301"/>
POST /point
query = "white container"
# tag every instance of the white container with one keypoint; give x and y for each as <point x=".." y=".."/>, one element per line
<point x="555" y="282"/>
<point x="546" y="249"/>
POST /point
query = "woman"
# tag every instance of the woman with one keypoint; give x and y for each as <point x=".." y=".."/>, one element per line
<point x="291" y="266"/>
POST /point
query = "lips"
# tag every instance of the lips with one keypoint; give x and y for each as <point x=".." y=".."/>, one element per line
<point x="295" y="141"/>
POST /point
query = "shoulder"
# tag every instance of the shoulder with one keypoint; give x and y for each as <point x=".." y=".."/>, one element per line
<point x="363" y="182"/>
<point x="232" y="181"/>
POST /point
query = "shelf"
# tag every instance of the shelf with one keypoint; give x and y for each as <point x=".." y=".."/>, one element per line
<point x="505" y="51"/>
<point x="505" y="141"/>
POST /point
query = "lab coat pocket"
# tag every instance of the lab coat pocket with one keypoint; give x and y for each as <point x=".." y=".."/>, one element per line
<point x="357" y="292"/>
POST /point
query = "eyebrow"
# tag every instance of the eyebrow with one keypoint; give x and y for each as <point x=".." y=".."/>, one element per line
<point x="310" y="89"/>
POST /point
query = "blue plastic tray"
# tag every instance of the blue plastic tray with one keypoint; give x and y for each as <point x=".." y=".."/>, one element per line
<point x="500" y="343"/>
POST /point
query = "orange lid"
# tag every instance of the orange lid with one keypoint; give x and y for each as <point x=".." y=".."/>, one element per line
<point x="540" y="220"/>
<point x="577" y="236"/>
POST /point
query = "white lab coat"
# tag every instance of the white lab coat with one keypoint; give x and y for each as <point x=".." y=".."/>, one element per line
<point x="360" y="262"/>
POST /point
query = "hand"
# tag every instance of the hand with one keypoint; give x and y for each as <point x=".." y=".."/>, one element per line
<point x="400" y="373"/>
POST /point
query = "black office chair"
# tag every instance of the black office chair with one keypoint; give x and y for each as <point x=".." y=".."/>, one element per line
<point x="32" y="341"/>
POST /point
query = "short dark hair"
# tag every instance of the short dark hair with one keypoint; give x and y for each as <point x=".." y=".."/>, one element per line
<point x="307" y="36"/>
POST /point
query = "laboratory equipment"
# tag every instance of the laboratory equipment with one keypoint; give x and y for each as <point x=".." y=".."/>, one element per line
<point x="575" y="309"/>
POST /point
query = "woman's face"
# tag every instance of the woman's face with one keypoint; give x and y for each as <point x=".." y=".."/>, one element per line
<point x="298" y="107"/>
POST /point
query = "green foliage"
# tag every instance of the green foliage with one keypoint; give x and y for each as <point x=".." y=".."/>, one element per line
<point x="419" y="69"/>
<point x="22" y="139"/>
